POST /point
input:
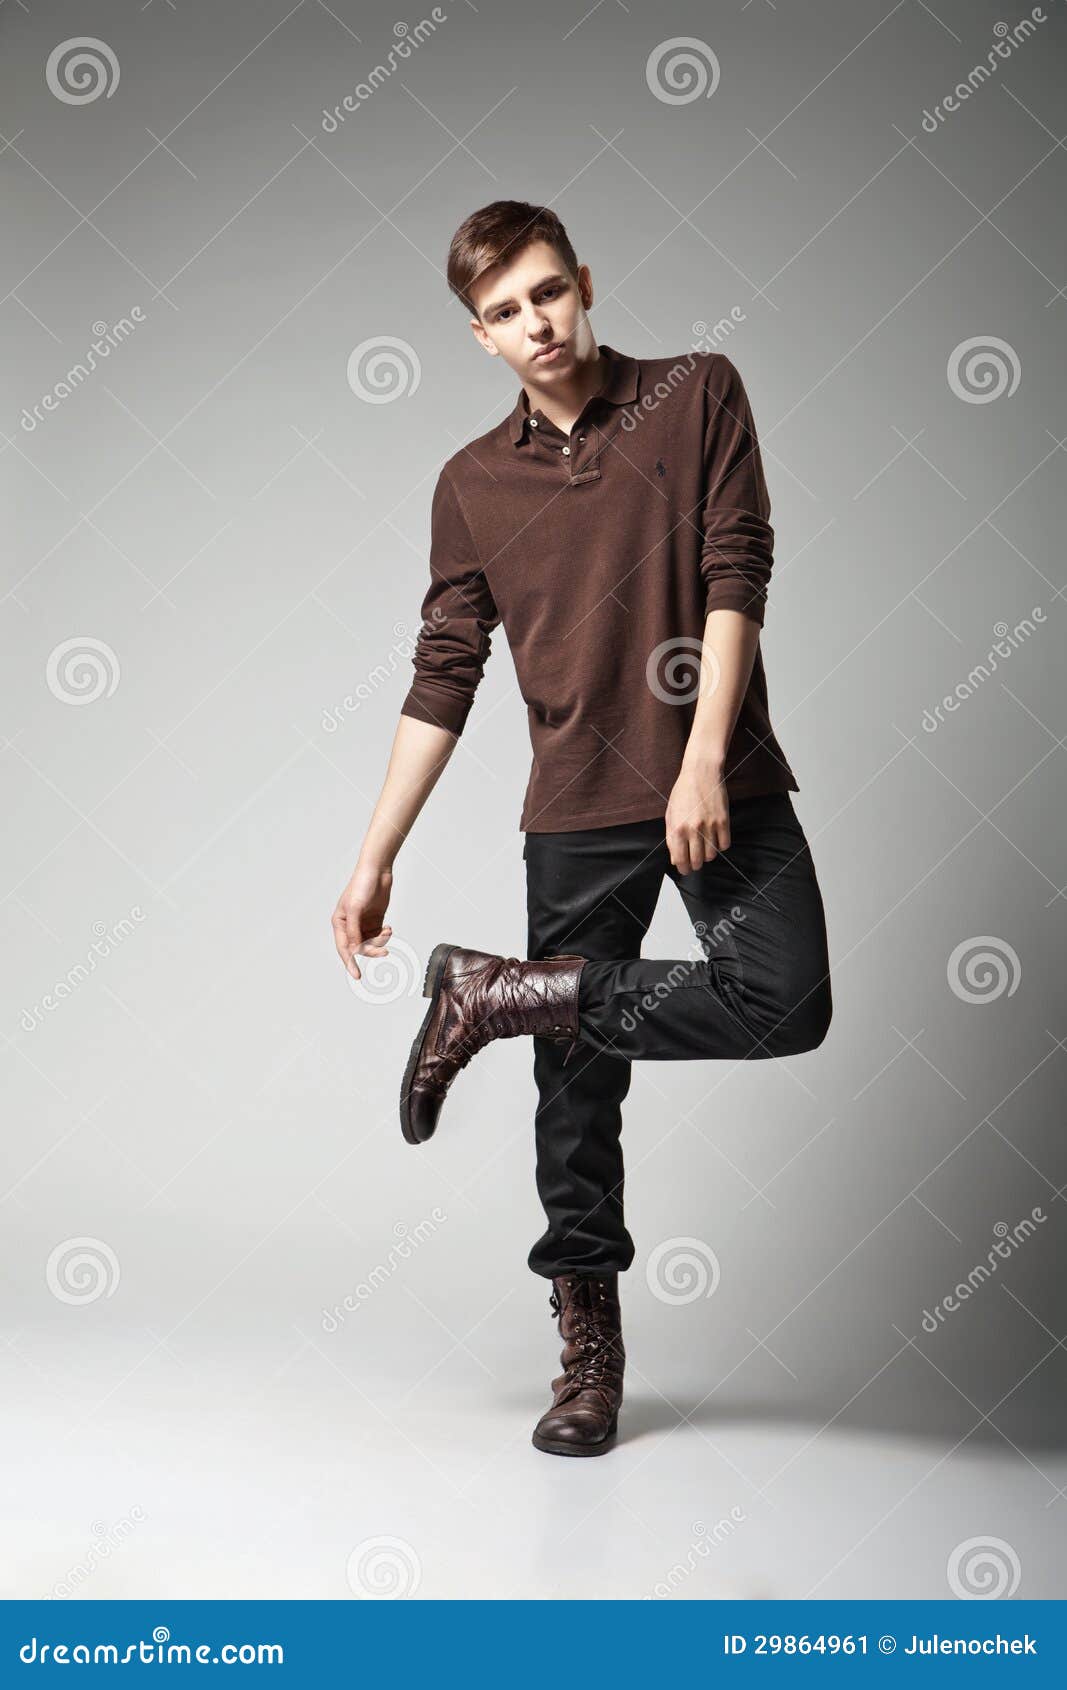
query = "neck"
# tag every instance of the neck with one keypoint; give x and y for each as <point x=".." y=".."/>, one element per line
<point x="562" y="402"/>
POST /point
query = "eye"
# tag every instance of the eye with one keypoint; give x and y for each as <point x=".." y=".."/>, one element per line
<point x="507" y="311"/>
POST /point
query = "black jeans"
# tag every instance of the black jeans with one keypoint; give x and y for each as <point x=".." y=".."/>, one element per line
<point x="757" y="986"/>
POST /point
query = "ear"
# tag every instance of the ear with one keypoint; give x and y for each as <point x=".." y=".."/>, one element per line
<point x="482" y="338"/>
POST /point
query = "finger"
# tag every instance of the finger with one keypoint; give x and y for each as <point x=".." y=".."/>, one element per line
<point x="353" y="938"/>
<point x="704" y="845"/>
<point x="340" y="935"/>
<point x="367" y="947"/>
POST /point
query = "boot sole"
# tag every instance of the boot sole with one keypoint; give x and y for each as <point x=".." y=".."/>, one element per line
<point x="431" y="986"/>
<point x="551" y="1447"/>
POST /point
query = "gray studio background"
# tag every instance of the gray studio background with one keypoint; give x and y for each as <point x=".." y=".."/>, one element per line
<point x="215" y="540"/>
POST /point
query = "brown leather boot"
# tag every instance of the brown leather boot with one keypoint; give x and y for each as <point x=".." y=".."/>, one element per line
<point x="583" y="1419"/>
<point x="476" y="997"/>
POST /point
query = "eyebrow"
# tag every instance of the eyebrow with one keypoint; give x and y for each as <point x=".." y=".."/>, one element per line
<point x="499" y="304"/>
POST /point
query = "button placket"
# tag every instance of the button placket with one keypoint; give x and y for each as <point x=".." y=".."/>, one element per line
<point x="577" y="471"/>
<point x="587" y="469"/>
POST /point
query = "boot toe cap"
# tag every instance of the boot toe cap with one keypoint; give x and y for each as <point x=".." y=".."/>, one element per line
<point x="421" y="1110"/>
<point x="573" y="1429"/>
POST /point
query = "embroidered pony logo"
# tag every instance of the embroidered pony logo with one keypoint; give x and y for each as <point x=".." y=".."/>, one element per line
<point x="661" y="468"/>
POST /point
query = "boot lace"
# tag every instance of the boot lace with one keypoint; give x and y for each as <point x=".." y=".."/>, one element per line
<point x="496" y="1024"/>
<point x="598" y="1366"/>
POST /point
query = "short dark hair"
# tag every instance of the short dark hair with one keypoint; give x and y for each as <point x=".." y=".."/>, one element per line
<point x="496" y="234"/>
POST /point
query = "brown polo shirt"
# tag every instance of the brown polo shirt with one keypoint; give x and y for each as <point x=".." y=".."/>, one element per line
<point x="602" y="551"/>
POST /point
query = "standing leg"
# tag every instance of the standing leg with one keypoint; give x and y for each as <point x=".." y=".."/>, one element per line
<point x="592" y="892"/>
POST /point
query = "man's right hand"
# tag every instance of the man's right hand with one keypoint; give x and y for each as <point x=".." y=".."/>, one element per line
<point x="420" y="752"/>
<point x="358" y="921"/>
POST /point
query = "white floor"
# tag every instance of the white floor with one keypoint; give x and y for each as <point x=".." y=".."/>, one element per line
<point x="261" y="1470"/>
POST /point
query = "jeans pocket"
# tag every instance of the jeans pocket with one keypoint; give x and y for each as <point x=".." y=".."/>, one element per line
<point x="728" y="977"/>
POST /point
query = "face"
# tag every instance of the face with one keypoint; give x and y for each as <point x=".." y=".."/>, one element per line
<point x="531" y="304"/>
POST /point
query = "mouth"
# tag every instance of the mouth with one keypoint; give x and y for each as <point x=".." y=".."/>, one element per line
<point x="551" y="354"/>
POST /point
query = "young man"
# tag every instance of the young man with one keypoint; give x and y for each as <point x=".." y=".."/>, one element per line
<point x="616" y="523"/>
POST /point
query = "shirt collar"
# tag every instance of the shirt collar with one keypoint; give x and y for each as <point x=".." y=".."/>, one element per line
<point x="619" y="388"/>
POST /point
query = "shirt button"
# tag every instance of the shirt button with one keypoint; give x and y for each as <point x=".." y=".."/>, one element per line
<point x="566" y="451"/>
<point x="581" y="437"/>
<point x="533" y="422"/>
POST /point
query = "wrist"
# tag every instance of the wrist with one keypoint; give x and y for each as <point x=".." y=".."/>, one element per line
<point x="375" y="862"/>
<point x="704" y="760"/>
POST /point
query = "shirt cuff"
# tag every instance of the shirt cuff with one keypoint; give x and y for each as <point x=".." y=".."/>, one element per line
<point x="733" y="592"/>
<point x="440" y="709"/>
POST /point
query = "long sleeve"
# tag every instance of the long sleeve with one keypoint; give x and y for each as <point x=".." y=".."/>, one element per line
<point x="458" y="616"/>
<point x="738" y="545"/>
